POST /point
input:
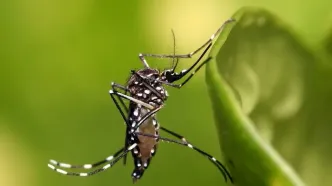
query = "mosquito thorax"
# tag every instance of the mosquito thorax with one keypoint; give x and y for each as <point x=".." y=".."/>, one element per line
<point x="146" y="85"/>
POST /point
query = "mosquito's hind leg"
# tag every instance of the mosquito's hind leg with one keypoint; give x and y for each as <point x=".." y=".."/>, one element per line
<point x="83" y="166"/>
<point x="120" y="153"/>
<point x="184" y="142"/>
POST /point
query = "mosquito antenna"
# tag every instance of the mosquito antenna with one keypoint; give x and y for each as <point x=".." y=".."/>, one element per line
<point x="175" y="60"/>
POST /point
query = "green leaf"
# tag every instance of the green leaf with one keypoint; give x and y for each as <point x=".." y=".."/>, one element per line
<point x="328" y="43"/>
<point x="255" y="80"/>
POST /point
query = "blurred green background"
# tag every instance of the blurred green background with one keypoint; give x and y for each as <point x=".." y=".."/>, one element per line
<point x="58" y="59"/>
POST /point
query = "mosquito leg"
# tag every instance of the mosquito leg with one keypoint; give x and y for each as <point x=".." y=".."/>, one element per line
<point x="116" y="86"/>
<point x="86" y="166"/>
<point x="126" y="145"/>
<point x="174" y="134"/>
<point x="189" y="55"/>
<point x="122" y="153"/>
<point x="120" y="95"/>
<point x="176" y="76"/>
<point x="192" y="74"/>
<point x="173" y="76"/>
<point x="223" y="169"/>
<point x="131" y="99"/>
<point x="187" y="79"/>
<point x="211" y="158"/>
<point x="119" y="108"/>
<point x="148" y="106"/>
<point x="145" y="63"/>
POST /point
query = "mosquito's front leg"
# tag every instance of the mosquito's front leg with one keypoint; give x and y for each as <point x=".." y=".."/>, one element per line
<point x="171" y="75"/>
<point x="189" y="55"/>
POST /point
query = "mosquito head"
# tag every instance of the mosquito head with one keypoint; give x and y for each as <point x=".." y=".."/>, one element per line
<point x="169" y="76"/>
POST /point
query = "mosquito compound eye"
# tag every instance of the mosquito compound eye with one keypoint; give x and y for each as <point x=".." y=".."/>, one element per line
<point x="168" y="75"/>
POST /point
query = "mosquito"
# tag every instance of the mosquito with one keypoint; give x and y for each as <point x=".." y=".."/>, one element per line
<point x="146" y="95"/>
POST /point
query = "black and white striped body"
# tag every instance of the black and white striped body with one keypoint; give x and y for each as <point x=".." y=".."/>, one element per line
<point x="147" y="146"/>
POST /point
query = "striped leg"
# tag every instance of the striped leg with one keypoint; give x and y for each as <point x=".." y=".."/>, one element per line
<point x="86" y="166"/>
<point x="122" y="153"/>
<point x="184" y="142"/>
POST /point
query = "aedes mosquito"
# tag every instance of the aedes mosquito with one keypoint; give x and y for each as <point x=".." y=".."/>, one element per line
<point x="146" y="97"/>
